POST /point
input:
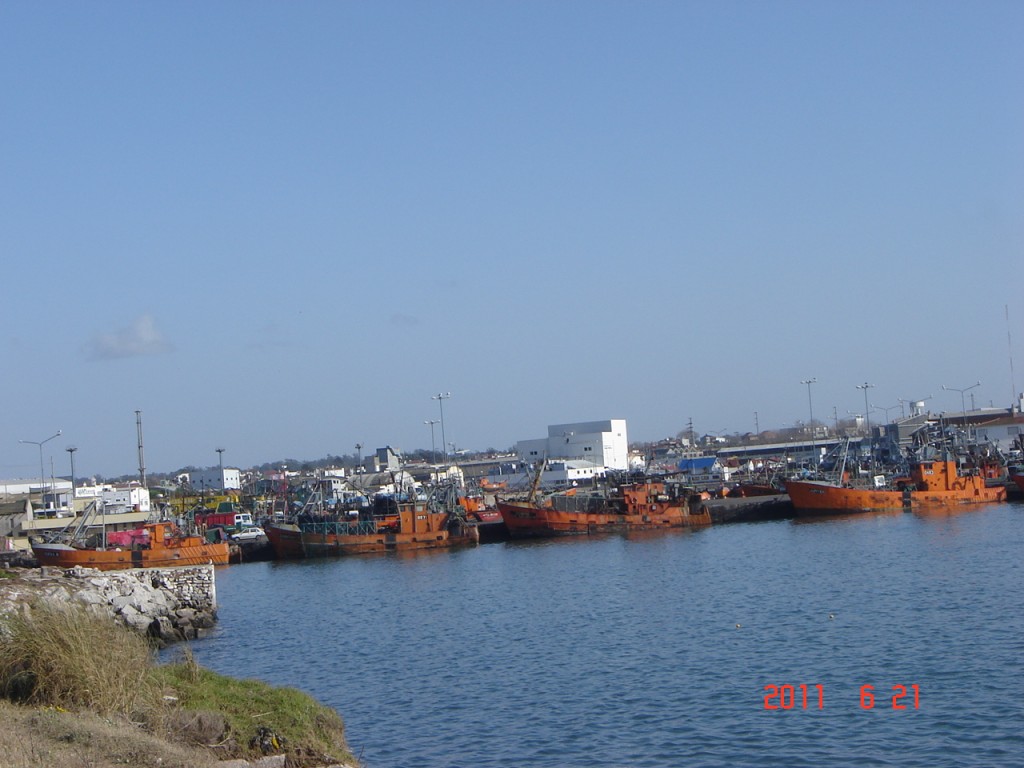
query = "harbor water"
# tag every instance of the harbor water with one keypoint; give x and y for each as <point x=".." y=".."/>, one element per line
<point x="656" y="650"/>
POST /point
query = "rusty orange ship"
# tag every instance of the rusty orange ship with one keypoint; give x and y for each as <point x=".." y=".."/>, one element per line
<point x="635" y="507"/>
<point x="414" y="526"/>
<point x="930" y="484"/>
<point x="160" y="545"/>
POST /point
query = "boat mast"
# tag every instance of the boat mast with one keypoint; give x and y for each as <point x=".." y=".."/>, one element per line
<point x="536" y="481"/>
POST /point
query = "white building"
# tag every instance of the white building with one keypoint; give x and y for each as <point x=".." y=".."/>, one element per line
<point x="601" y="443"/>
<point x="125" y="498"/>
<point x="215" y="479"/>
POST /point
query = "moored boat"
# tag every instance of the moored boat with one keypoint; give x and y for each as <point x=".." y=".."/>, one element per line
<point x="414" y="525"/>
<point x="651" y="505"/>
<point x="935" y="482"/>
<point x="1018" y="480"/>
<point x="154" y="545"/>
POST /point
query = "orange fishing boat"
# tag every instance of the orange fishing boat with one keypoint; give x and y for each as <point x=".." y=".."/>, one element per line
<point x="1019" y="480"/>
<point x="636" y="507"/>
<point x="931" y="483"/>
<point x="155" y="545"/>
<point x="416" y="525"/>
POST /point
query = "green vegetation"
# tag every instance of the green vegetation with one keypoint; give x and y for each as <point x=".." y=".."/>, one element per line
<point x="76" y="682"/>
<point x="287" y="718"/>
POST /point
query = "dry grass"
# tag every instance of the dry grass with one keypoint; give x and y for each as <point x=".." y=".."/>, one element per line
<point x="92" y="696"/>
<point x="49" y="738"/>
<point x="62" y="655"/>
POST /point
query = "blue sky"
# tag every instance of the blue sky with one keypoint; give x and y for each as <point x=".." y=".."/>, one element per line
<point x="279" y="228"/>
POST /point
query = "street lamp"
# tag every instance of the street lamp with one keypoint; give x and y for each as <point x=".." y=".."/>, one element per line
<point x="441" y="397"/>
<point x="867" y="418"/>
<point x="810" y="423"/>
<point x="220" y="462"/>
<point x="963" y="407"/>
<point x="886" y="410"/>
<point x="71" y="452"/>
<point x="433" y="453"/>
<point x="42" y="471"/>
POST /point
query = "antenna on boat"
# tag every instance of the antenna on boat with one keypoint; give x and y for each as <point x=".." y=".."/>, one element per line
<point x="142" y="460"/>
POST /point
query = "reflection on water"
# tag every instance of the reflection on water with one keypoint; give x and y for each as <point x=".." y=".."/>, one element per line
<point x="655" y="650"/>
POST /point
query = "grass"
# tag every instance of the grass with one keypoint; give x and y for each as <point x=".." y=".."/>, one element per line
<point x="76" y="682"/>
<point x="311" y="732"/>
<point x="64" y="656"/>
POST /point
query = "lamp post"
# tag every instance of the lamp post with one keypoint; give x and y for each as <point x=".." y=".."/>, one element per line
<point x="220" y="462"/>
<point x="433" y="453"/>
<point x="886" y="410"/>
<point x="867" y="419"/>
<point x="441" y="397"/>
<point x="810" y="423"/>
<point x="42" y="471"/>
<point x="71" y="452"/>
<point x="963" y="406"/>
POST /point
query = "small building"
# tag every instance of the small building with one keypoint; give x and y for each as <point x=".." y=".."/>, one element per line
<point x="121" y="499"/>
<point x="216" y="479"/>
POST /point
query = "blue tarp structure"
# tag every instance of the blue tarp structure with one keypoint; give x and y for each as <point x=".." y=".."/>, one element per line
<point x="700" y="464"/>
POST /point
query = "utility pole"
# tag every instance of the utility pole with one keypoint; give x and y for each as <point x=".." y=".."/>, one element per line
<point x="963" y="406"/>
<point x="142" y="460"/>
<point x="220" y="461"/>
<point x="42" y="470"/>
<point x="867" y="418"/>
<point x="433" y="452"/>
<point x="810" y="423"/>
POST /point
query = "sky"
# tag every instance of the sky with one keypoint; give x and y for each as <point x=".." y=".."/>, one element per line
<point x="282" y="229"/>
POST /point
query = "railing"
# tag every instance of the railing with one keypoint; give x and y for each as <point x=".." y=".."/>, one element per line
<point x="337" y="528"/>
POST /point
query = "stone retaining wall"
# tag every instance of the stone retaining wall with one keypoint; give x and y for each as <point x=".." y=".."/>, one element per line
<point x="168" y="604"/>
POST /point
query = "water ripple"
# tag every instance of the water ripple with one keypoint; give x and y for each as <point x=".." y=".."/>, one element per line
<point x="626" y="651"/>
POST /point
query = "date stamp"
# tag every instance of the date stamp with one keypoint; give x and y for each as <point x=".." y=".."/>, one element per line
<point x="813" y="697"/>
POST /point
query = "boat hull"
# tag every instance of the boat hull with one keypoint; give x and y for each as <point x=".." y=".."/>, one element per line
<point x="811" y="497"/>
<point x="296" y="541"/>
<point x="525" y="520"/>
<point x="64" y="556"/>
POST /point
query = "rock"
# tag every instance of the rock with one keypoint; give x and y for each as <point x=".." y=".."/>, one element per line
<point x="163" y="603"/>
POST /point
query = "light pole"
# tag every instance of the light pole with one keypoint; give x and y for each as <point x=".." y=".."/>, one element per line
<point x="71" y="452"/>
<point x="885" y="410"/>
<point x="963" y="406"/>
<point x="220" y="462"/>
<point x="441" y="397"/>
<point x="810" y="423"/>
<point x="867" y="419"/>
<point x="867" y="422"/>
<point x="433" y="453"/>
<point x="42" y="471"/>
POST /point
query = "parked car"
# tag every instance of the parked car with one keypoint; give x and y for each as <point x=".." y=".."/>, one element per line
<point x="248" y="533"/>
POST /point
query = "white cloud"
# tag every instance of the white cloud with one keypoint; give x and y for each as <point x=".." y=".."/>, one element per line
<point x="140" y="339"/>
